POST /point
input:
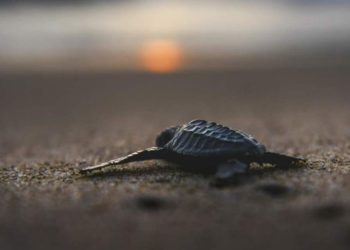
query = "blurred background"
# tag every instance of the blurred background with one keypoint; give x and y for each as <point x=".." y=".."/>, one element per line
<point x="168" y="36"/>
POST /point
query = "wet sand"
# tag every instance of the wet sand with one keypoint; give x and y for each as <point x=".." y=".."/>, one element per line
<point x="52" y="125"/>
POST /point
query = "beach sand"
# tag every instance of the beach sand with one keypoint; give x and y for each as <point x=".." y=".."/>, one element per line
<point x="51" y="125"/>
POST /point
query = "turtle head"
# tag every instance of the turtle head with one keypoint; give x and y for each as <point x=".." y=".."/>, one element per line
<point x="164" y="137"/>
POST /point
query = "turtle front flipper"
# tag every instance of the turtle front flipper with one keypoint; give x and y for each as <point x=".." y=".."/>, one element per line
<point x="281" y="160"/>
<point x="146" y="154"/>
<point x="228" y="172"/>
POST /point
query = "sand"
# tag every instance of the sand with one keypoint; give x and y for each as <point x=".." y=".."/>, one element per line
<point x="53" y="124"/>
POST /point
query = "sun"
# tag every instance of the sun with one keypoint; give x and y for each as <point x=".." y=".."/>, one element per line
<point x="161" y="56"/>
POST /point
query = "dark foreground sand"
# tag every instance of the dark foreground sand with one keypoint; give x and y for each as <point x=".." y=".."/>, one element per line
<point x="52" y="125"/>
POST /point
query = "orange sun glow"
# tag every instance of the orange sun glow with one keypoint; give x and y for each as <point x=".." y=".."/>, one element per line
<point x="161" y="56"/>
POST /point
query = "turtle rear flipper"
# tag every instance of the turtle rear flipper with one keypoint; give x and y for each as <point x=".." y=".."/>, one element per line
<point x="142" y="155"/>
<point x="281" y="160"/>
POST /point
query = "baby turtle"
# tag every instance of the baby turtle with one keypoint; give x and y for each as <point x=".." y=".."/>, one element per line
<point x="204" y="145"/>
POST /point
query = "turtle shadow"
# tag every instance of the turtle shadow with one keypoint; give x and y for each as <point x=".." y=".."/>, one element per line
<point x="254" y="174"/>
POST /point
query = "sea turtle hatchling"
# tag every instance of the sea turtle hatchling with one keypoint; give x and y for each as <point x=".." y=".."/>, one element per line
<point x="201" y="145"/>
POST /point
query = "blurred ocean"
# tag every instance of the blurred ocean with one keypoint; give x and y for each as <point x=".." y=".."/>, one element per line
<point x="116" y="35"/>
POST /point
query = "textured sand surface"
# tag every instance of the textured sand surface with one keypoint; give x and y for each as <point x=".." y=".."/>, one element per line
<point x="52" y="125"/>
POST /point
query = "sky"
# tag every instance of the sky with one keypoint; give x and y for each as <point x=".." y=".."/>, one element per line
<point x="132" y="35"/>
